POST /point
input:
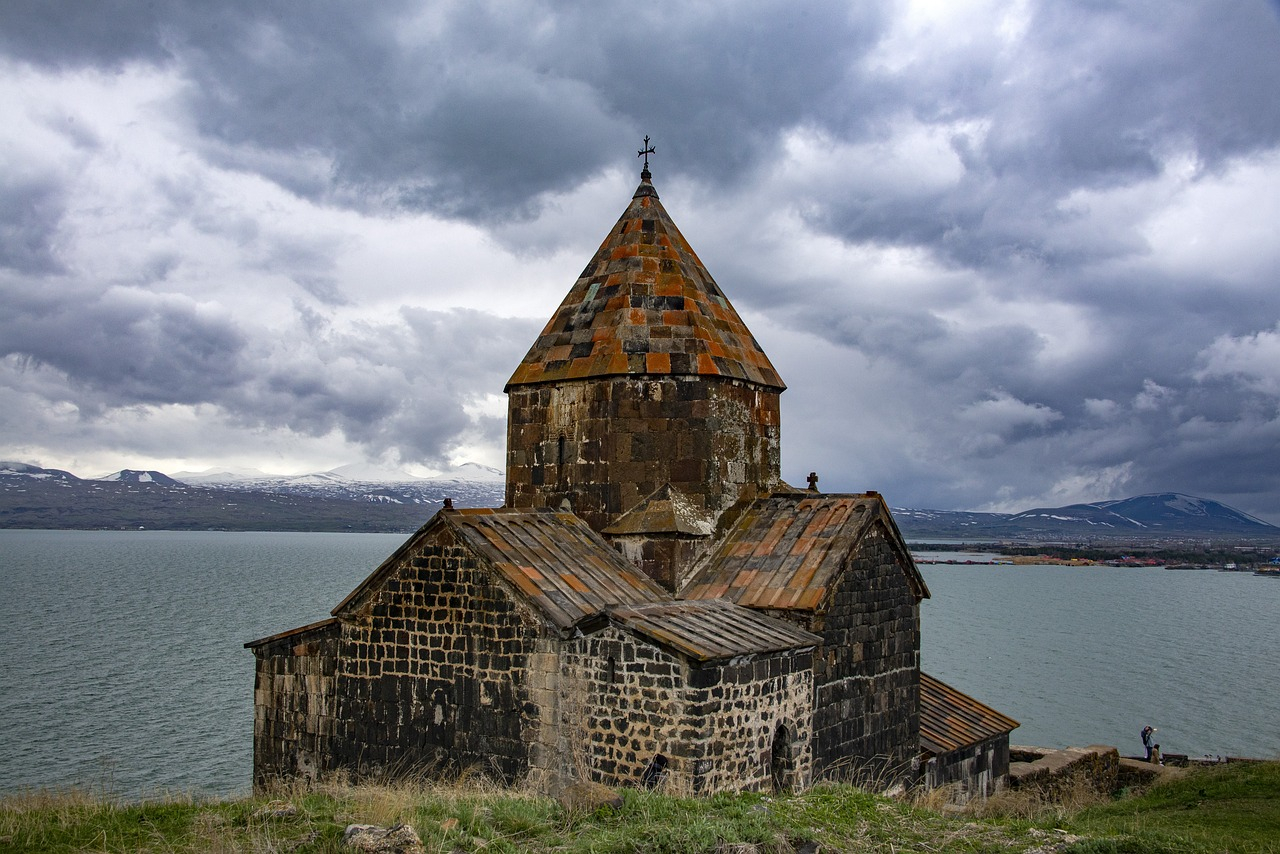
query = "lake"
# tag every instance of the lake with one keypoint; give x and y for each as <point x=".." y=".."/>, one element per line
<point x="1088" y="655"/>
<point x="124" y="667"/>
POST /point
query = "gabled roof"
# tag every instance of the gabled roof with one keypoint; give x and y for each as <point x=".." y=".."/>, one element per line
<point x="560" y="565"/>
<point x="786" y="551"/>
<point x="712" y="629"/>
<point x="645" y="305"/>
<point x="315" y="629"/>
<point x="667" y="510"/>
<point x="950" y="719"/>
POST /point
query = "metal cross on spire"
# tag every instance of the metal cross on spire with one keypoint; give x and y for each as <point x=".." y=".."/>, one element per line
<point x="645" y="152"/>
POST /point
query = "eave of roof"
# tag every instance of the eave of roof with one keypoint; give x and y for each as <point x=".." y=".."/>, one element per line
<point x="645" y="305"/>
<point x="293" y="633"/>
<point x="951" y="720"/>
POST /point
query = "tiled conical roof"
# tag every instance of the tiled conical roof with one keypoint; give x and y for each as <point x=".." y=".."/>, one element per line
<point x="645" y="305"/>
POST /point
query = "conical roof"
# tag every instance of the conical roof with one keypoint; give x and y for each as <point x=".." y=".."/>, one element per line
<point x="645" y="305"/>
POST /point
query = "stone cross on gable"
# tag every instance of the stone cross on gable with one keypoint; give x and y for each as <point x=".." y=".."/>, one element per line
<point x="813" y="481"/>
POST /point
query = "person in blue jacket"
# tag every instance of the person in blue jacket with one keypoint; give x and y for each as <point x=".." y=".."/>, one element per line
<point x="1148" y="739"/>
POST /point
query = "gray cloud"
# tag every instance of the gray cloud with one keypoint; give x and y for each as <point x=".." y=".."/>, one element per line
<point x="29" y="214"/>
<point x="130" y="346"/>
<point x="395" y="387"/>
<point x="474" y="111"/>
<point x="1027" y="241"/>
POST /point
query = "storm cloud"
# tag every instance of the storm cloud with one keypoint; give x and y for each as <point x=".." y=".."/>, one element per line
<point x="1003" y="253"/>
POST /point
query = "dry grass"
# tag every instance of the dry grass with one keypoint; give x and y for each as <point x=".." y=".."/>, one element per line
<point x="1067" y="799"/>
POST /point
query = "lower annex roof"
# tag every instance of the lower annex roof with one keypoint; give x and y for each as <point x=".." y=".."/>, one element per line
<point x="708" y="629"/>
<point x="951" y="719"/>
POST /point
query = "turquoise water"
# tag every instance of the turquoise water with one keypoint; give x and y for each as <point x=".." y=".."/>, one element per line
<point x="123" y="663"/>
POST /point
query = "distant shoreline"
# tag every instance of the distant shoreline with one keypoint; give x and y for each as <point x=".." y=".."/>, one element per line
<point x="1241" y="557"/>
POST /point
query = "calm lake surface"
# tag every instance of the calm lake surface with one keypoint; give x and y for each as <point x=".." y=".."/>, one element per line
<point x="123" y="664"/>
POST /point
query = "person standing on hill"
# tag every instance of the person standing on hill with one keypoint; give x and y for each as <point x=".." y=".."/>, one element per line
<point x="1148" y="739"/>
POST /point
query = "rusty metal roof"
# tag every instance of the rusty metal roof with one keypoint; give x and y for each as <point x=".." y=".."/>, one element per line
<point x="556" y="560"/>
<point x="560" y="564"/>
<point x="710" y="629"/>
<point x="645" y="305"/>
<point x="950" y="719"/>
<point x="785" y="551"/>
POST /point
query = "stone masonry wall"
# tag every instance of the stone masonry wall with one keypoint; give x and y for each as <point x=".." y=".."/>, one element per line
<point x="605" y="444"/>
<point x="619" y="703"/>
<point x="866" y="716"/>
<point x="743" y="706"/>
<point x="665" y="559"/>
<point x="293" y="704"/>
<point x="622" y="701"/>
<point x="434" y="673"/>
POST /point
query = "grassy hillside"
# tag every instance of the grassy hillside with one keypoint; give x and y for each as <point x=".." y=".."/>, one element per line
<point x="1234" y="808"/>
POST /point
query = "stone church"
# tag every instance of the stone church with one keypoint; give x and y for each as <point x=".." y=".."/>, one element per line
<point x="652" y="604"/>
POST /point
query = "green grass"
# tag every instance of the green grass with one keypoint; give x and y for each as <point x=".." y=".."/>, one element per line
<point x="1235" y="808"/>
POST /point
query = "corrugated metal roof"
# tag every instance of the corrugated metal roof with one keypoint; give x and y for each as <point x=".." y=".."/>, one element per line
<point x="950" y="719"/>
<point x="562" y="565"/>
<point x="711" y="629"/>
<point x="786" y="550"/>
<point x="645" y="305"/>
<point x="557" y="561"/>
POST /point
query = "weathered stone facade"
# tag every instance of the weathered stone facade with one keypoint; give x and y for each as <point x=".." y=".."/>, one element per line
<point x="845" y="575"/>
<point x="434" y="668"/>
<point x="964" y="744"/>
<point x="603" y="446"/>
<point x="867" y="715"/>
<point x="652" y="604"/>
<point x="294" y="703"/>
<point x="624" y="701"/>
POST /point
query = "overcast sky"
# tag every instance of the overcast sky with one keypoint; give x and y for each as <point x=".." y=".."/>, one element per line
<point x="1004" y="254"/>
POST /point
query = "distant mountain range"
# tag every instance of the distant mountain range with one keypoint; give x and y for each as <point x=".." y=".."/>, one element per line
<point x="362" y="498"/>
<point x="1162" y="515"/>
<point x="34" y="497"/>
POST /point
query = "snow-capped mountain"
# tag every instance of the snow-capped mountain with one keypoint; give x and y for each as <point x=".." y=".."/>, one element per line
<point x="1173" y="509"/>
<point x="218" y="476"/>
<point x="1154" y="513"/>
<point x="472" y="472"/>
<point x="23" y="470"/>
<point x="368" y="473"/>
<point x="468" y="485"/>
<point x="138" y="476"/>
